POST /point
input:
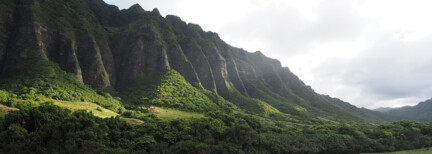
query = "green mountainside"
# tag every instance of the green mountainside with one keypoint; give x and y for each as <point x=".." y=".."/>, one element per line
<point x="126" y="53"/>
<point x="84" y="76"/>
<point x="420" y="112"/>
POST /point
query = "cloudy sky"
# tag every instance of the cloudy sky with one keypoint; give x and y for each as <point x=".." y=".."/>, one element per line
<point x="371" y="53"/>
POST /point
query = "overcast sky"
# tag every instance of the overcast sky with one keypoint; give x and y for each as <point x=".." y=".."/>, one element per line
<point x="371" y="53"/>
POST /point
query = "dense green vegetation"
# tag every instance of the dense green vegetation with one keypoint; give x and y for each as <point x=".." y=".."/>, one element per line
<point x="49" y="128"/>
<point x="42" y="81"/>
<point x="252" y="105"/>
<point x="170" y="89"/>
<point x="42" y="78"/>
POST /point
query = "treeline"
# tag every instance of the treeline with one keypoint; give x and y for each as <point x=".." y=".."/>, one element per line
<point x="49" y="129"/>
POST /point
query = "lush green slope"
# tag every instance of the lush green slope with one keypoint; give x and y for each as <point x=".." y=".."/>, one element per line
<point x="170" y="89"/>
<point x="421" y="112"/>
<point x="45" y="78"/>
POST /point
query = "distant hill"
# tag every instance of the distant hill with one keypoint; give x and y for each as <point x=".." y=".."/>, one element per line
<point x="386" y="109"/>
<point x="383" y="109"/>
<point x="421" y="112"/>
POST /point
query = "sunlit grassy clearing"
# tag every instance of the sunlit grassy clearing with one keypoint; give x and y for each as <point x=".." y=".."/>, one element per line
<point x="134" y="121"/>
<point x="166" y="113"/>
<point x="90" y="107"/>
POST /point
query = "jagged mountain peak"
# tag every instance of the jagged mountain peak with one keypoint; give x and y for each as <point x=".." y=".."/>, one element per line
<point x="156" y="11"/>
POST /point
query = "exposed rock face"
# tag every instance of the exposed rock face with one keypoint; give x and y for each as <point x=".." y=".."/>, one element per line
<point x="6" y="17"/>
<point x="63" y="51"/>
<point x="138" y="52"/>
<point x="24" y="36"/>
<point x="110" y="48"/>
<point x="91" y="62"/>
<point x="235" y="77"/>
<point x="199" y="61"/>
<point x="113" y="49"/>
<point x="220" y="74"/>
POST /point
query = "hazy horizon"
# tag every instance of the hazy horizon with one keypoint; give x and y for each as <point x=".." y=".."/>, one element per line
<point x="369" y="53"/>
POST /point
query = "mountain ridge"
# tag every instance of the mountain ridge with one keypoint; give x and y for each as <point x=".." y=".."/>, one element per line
<point x="108" y="48"/>
<point x="386" y="109"/>
<point x="420" y="112"/>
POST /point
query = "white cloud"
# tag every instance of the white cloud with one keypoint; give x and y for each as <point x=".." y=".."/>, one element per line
<point x="388" y="71"/>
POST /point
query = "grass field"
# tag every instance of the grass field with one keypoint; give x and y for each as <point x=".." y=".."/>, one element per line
<point x="97" y="110"/>
<point x="163" y="113"/>
<point x="90" y="107"/>
<point x="134" y="121"/>
<point x="416" y="151"/>
<point x="166" y="113"/>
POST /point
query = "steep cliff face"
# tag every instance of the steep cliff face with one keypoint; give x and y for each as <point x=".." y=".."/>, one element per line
<point x="6" y="16"/>
<point x="110" y="48"/>
<point x="137" y="52"/>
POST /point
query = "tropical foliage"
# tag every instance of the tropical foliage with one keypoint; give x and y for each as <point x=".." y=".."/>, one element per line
<point x="49" y="128"/>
